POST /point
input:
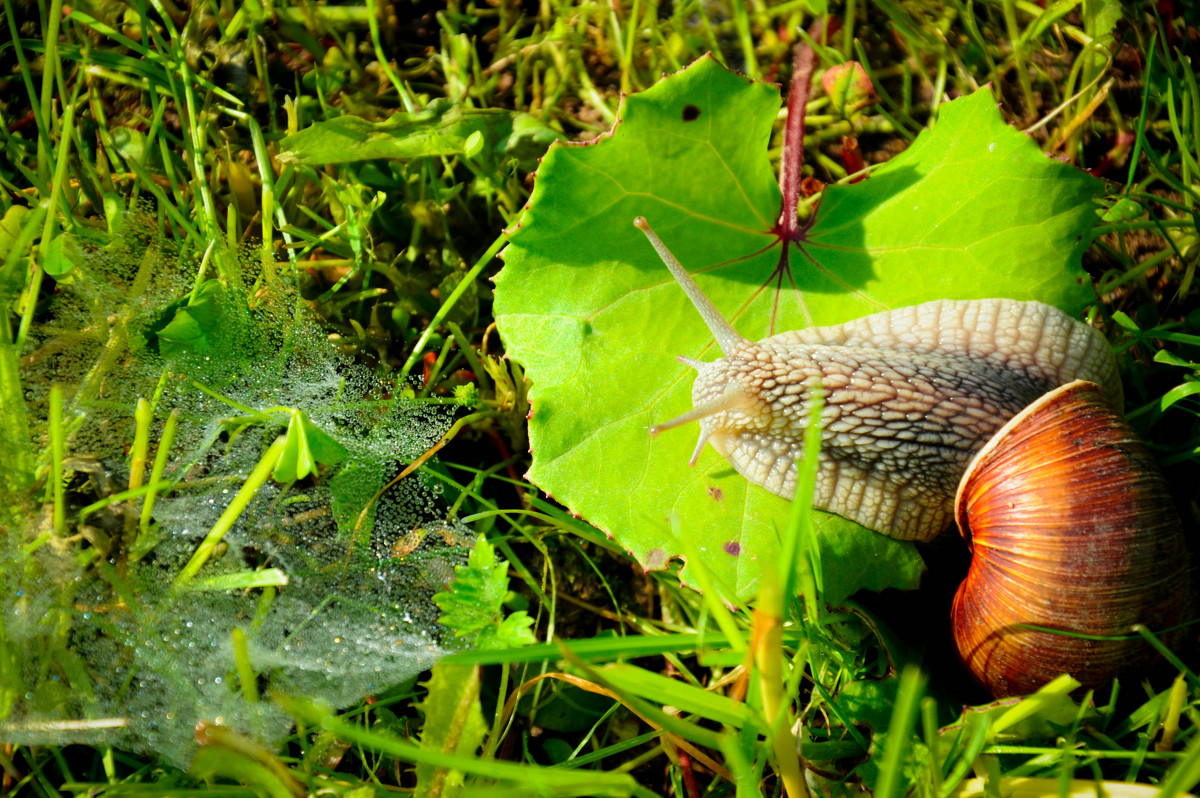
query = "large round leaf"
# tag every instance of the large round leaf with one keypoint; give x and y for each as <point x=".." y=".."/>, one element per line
<point x="972" y="209"/>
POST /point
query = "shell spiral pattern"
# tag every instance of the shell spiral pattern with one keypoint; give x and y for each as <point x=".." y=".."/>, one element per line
<point x="1073" y="530"/>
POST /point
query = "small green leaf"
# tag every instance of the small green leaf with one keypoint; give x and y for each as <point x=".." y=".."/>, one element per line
<point x="10" y="230"/>
<point x="129" y="143"/>
<point x="211" y="764"/>
<point x="440" y="128"/>
<point x="453" y="725"/>
<point x="848" y="86"/>
<point x="295" y="462"/>
<point x="226" y="754"/>
<point x="115" y="211"/>
<point x="61" y="256"/>
<point x="17" y="231"/>
<point x="474" y="144"/>
<point x="474" y="605"/>
<point x="875" y="704"/>
<point x="192" y="322"/>
<point x="324" y="447"/>
<point x="1123" y="210"/>
<point x="305" y="446"/>
<point x="514" y="631"/>
<point x="183" y="332"/>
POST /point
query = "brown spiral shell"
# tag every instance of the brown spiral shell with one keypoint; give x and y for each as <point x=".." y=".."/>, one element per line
<point x="1072" y="528"/>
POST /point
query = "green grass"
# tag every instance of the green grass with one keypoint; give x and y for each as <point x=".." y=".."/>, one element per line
<point x="141" y="189"/>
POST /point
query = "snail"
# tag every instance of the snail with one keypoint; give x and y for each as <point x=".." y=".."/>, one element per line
<point x="927" y="404"/>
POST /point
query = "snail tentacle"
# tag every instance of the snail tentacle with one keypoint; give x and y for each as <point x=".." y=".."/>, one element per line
<point x="727" y="338"/>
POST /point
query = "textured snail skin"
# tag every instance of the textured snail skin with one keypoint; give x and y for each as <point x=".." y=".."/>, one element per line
<point x="1073" y="528"/>
<point x="909" y="396"/>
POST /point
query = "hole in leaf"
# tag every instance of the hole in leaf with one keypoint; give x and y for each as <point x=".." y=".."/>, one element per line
<point x="690" y="113"/>
<point x="656" y="559"/>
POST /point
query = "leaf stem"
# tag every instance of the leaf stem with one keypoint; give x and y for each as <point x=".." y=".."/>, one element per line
<point x="1140" y="141"/>
<point x="57" y="436"/>
<point x="141" y="543"/>
<point x="245" y="669"/>
<point x="466" y="282"/>
<point x="1014" y="35"/>
<point x="804" y="61"/>
<point x="234" y="511"/>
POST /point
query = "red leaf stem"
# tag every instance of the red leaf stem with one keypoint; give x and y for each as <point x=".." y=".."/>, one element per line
<point x="804" y="62"/>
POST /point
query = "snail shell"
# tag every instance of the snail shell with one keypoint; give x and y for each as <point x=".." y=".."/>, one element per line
<point x="909" y="396"/>
<point x="1072" y="528"/>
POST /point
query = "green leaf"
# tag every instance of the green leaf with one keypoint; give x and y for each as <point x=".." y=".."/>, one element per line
<point x="848" y="86"/>
<point x="226" y="754"/>
<point x="10" y="231"/>
<point x="62" y="254"/>
<point x="192" y="322"/>
<point x="973" y="209"/>
<point x="211" y="764"/>
<point x="305" y="446"/>
<point x="873" y="702"/>
<point x="514" y="631"/>
<point x="296" y="460"/>
<point x="1123" y="210"/>
<point x="474" y="605"/>
<point x="183" y="332"/>
<point x="453" y="725"/>
<point x="440" y="128"/>
<point x="129" y="143"/>
<point x="17" y="230"/>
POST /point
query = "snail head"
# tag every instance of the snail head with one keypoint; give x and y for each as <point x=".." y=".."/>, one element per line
<point x="726" y="404"/>
<point x="723" y="406"/>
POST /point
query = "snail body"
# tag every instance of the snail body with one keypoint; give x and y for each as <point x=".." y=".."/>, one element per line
<point x="909" y="396"/>
<point x="1012" y="409"/>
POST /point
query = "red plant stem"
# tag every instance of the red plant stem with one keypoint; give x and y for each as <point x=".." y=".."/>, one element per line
<point x="689" y="776"/>
<point x="509" y="469"/>
<point x="427" y="364"/>
<point x="852" y="157"/>
<point x="804" y="61"/>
